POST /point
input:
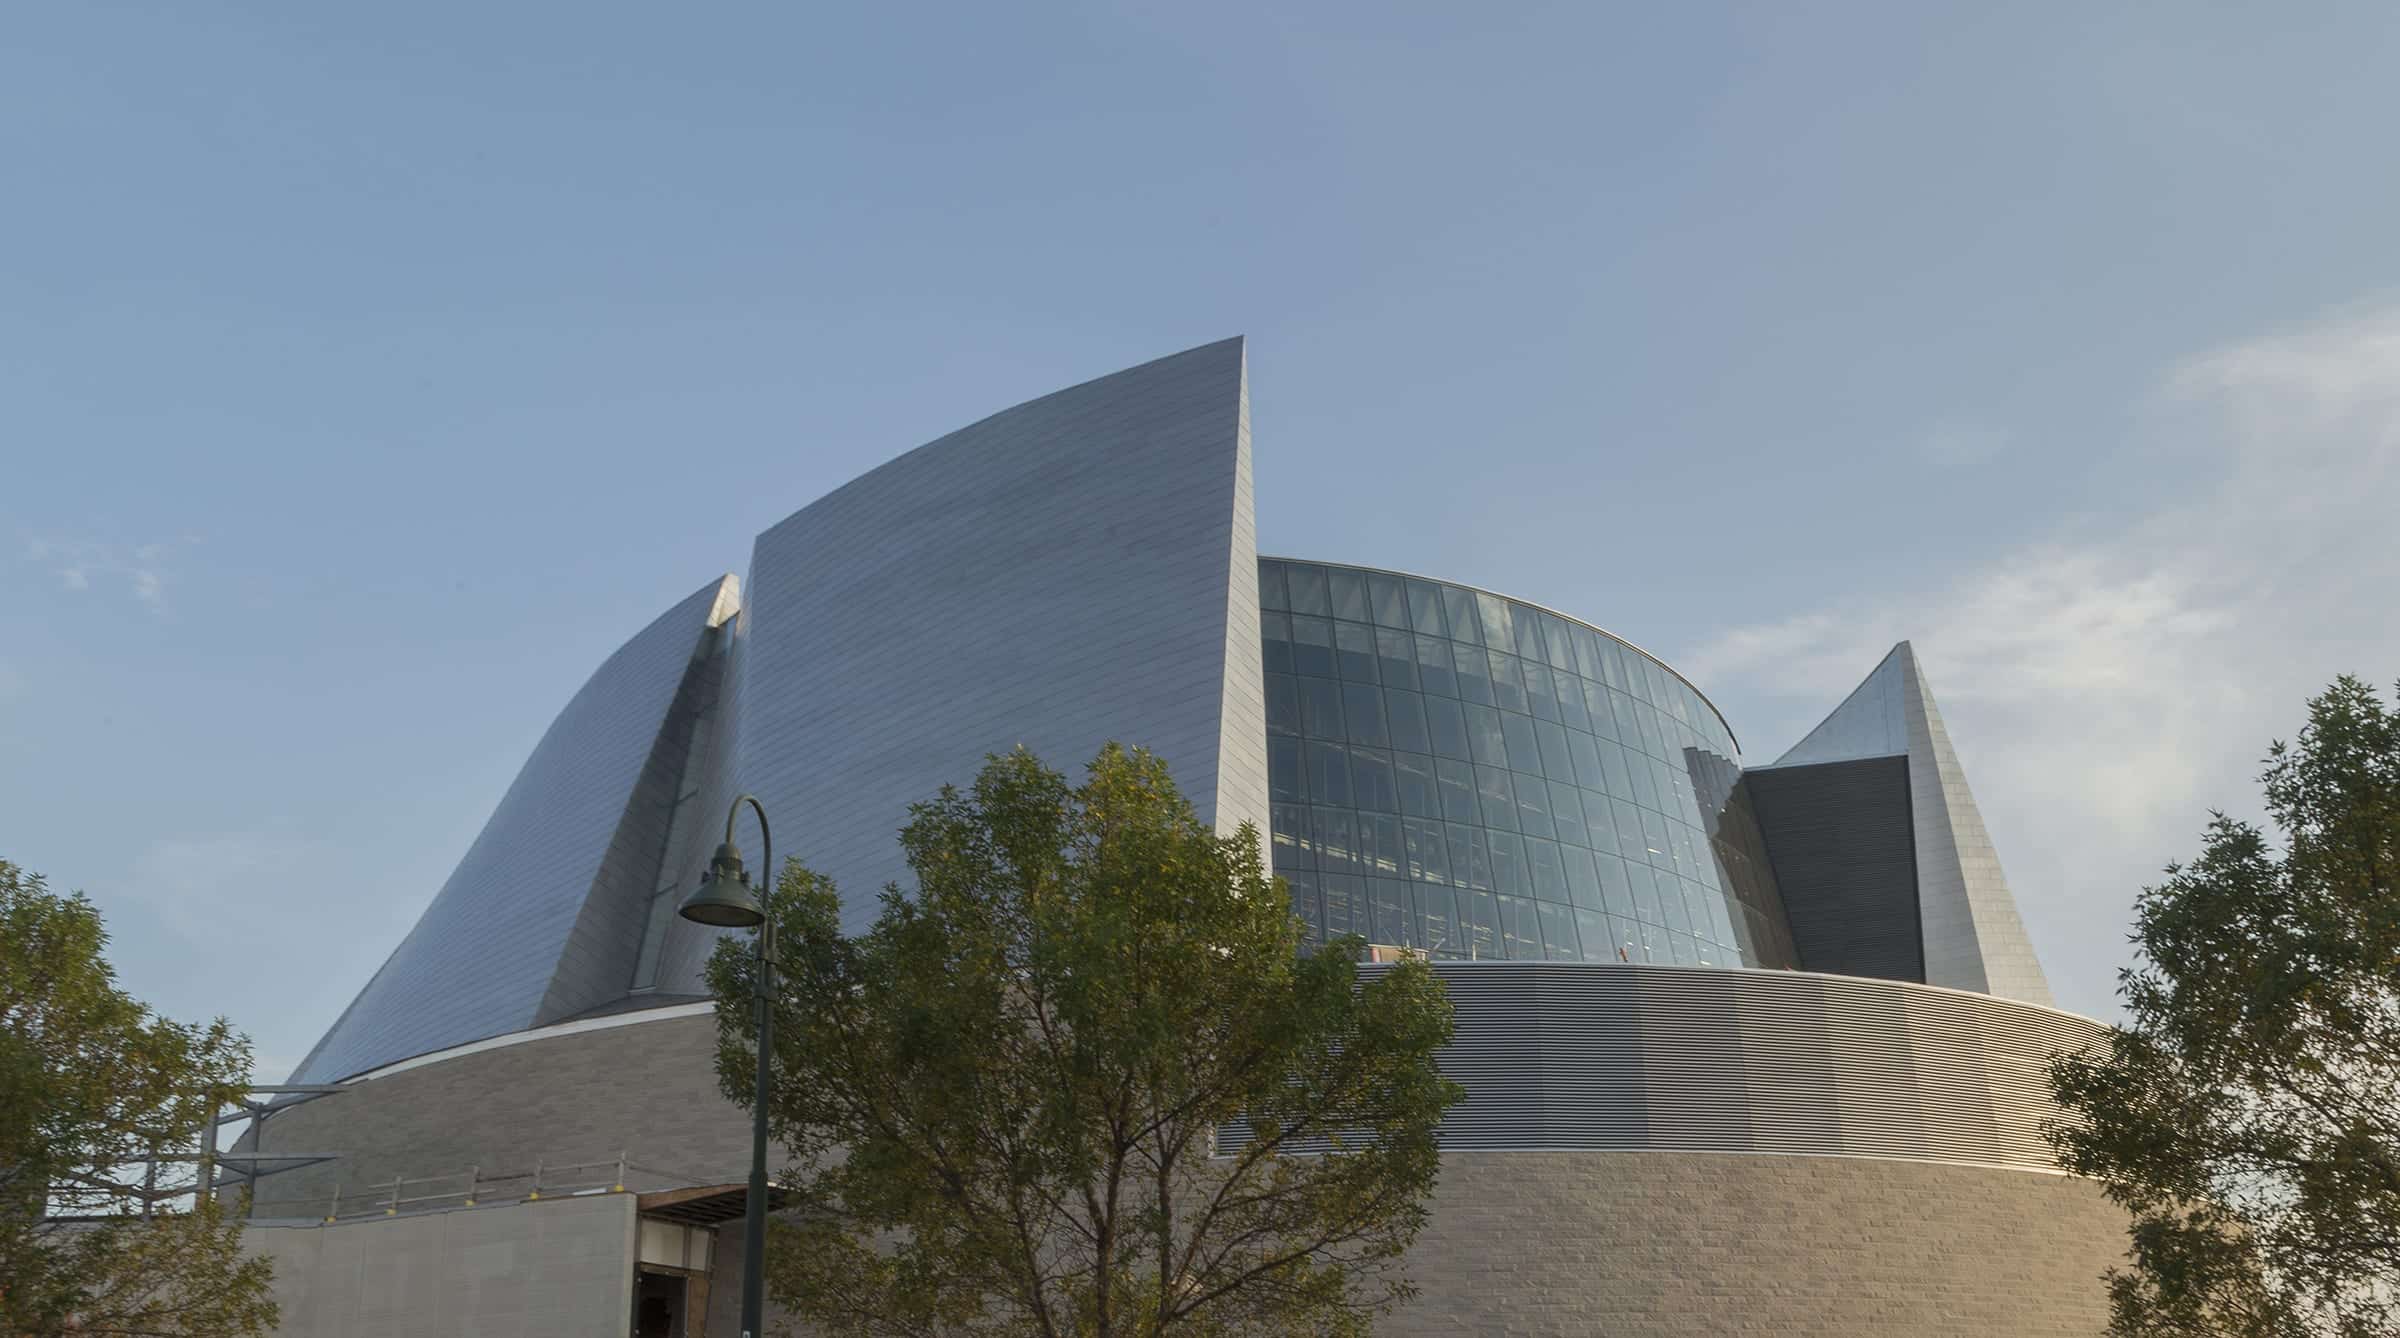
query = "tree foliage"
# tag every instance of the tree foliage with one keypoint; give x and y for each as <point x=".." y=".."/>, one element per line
<point x="2248" y="1113"/>
<point x="1004" y="1100"/>
<point x="92" y="1084"/>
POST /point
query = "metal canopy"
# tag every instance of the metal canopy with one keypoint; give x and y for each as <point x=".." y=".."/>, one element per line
<point x="707" y="1205"/>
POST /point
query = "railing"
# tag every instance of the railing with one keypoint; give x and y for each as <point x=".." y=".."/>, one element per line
<point x="472" y="1187"/>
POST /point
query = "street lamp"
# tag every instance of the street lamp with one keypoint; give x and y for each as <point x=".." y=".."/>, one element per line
<point x="726" y="900"/>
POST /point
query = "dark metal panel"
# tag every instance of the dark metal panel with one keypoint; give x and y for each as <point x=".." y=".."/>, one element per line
<point x="1841" y="838"/>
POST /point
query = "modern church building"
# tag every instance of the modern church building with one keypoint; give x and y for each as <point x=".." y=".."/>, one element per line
<point x="1748" y="1047"/>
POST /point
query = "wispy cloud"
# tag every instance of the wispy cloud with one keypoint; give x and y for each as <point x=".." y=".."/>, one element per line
<point x="81" y="565"/>
<point x="2106" y="688"/>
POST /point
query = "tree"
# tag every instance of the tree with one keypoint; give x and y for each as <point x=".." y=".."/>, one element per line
<point x="2248" y="1112"/>
<point x="92" y="1087"/>
<point x="1012" y="1102"/>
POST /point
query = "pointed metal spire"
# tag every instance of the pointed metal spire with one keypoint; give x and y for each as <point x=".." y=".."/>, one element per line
<point x="1973" y="937"/>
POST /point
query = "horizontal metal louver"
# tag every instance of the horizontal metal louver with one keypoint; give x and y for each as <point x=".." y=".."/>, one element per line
<point x="1575" y="1055"/>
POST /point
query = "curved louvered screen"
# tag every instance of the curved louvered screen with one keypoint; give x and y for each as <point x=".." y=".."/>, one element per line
<point x="1572" y="1055"/>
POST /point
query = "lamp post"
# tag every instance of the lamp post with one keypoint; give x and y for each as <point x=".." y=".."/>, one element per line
<point x="726" y="900"/>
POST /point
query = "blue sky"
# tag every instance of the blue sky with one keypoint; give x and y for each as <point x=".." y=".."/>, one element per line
<point x="366" y="376"/>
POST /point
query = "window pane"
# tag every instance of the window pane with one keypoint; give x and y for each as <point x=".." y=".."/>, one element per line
<point x="1446" y="722"/>
<point x="1587" y="653"/>
<point x="1328" y="772"/>
<point x="1362" y="709"/>
<point x="1612" y="663"/>
<point x="1508" y="682"/>
<point x="1459" y="606"/>
<point x="1270" y="586"/>
<point x="1677" y="916"/>
<point x="1583" y="878"/>
<point x="1541" y="695"/>
<point x="1645" y="780"/>
<point x="1474" y="676"/>
<point x="1345" y="903"/>
<point x="1558" y="643"/>
<point x="1390" y="600"/>
<point x="1480" y="912"/>
<point x="1470" y="855"/>
<point x="1303" y="887"/>
<point x="1428" y="856"/>
<point x="1312" y="646"/>
<point x="1308" y="591"/>
<point x="1592" y="928"/>
<point x="1586" y="751"/>
<point x="1616" y="886"/>
<point x="1595" y="697"/>
<point x="1558" y="933"/>
<point x="1418" y="797"/>
<point x="1371" y="780"/>
<point x="1433" y="667"/>
<point x="1524" y="753"/>
<point x="1380" y="849"/>
<point x="1349" y="593"/>
<point x="1284" y="780"/>
<point x="1686" y="952"/>
<point x="1283" y="704"/>
<point x="1654" y="944"/>
<point x="1533" y="807"/>
<point x="1406" y="712"/>
<point x="1557" y="762"/>
<point x="1508" y="864"/>
<point x="1612" y="763"/>
<point x="1337" y="838"/>
<point x="1485" y="738"/>
<point x="1596" y="816"/>
<point x="1456" y="781"/>
<point x="1275" y="641"/>
<point x="1396" y="657"/>
<point x="1425" y="609"/>
<point x="1529" y="632"/>
<point x="1499" y="798"/>
<point x="1566" y="811"/>
<point x="1654" y="840"/>
<point x="1624" y="939"/>
<point x="1354" y="651"/>
<point x="1645" y="891"/>
<point x="1570" y="703"/>
<point x="1321" y="708"/>
<point x="1295" y="838"/>
<point x="1499" y="631"/>
<point x="1549" y="872"/>
<point x="1520" y="929"/>
<point x="1437" y="912"/>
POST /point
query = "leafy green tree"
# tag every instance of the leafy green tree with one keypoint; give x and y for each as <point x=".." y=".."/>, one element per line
<point x="1008" y="1101"/>
<point x="91" y="1086"/>
<point x="2248" y="1113"/>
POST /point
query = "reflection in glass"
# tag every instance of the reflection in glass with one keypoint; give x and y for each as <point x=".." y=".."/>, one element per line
<point x="1441" y="760"/>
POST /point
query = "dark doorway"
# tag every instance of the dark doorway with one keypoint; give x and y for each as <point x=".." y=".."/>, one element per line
<point x="658" y="1306"/>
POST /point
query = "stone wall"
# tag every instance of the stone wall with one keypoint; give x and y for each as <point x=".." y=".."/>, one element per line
<point x="557" y="1267"/>
<point x="1653" y="1244"/>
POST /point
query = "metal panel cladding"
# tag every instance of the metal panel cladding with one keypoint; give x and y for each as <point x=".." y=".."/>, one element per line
<point x="1596" y="1057"/>
<point x="545" y="915"/>
<point x="1077" y="569"/>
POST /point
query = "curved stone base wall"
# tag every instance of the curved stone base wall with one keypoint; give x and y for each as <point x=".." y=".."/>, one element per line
<point x="1626" y="1243"/>
<point x="647" y="1089"/>
<point x="1660" y="1244"/>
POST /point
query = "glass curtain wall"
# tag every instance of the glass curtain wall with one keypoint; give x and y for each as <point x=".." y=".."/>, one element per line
<point x="1465" y="774"/>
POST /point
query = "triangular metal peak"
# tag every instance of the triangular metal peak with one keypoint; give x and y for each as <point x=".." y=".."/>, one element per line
<point x="1973" y="936"/>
